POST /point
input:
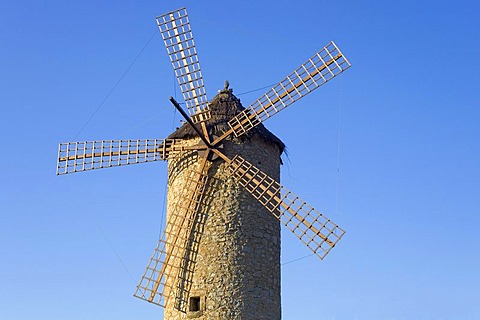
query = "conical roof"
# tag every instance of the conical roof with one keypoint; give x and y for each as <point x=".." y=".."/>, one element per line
<point x="223" y="107"/>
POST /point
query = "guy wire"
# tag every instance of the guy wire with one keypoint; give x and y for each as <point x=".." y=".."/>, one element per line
<point x="115" y="86"/>
<point x="338" y="145"/>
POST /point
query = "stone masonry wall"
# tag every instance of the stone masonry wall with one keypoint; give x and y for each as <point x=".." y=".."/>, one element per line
<point x="237" y="274"/>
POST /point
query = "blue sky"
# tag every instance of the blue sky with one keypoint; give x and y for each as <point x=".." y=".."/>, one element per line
<point x="73" y="247"/>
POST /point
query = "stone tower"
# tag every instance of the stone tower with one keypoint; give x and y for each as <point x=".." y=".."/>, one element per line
<point x="237" y="270"/>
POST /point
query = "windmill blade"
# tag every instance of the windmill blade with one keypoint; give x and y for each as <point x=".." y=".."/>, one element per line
<point x="315" y="230"/>
<point x="170" y="271"/>
<point x="322" y="67"/>
<point x="89" y="155"/>
<point x="178" y="38"/>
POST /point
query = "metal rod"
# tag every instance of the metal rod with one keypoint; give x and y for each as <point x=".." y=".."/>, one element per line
<point x="190" y="122"/>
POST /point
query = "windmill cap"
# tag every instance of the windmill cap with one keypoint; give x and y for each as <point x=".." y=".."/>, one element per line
<point x="223" y="107"/>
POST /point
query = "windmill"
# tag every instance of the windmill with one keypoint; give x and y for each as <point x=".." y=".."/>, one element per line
<point x="219" y="255"/>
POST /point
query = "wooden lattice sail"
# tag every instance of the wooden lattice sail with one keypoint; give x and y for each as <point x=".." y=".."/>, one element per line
<point x="178" y="38"/>
<point x="169" y="277"/>
<point x="315" y="230"/>
<point x="89" y="155"/>
<point x="169" y="273"/>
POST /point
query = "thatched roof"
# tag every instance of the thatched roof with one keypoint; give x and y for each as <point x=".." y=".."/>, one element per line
<point x="224" y="106"/>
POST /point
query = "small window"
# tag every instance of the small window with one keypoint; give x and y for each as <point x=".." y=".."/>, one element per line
<point x="194" y="304"/>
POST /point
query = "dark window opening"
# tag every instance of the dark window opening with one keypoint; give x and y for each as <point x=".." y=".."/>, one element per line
<point x="194" y="304"/>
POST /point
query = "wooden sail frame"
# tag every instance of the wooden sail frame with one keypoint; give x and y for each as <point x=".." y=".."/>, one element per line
<point x="178" y="38"/>
<point x="90" y="155"/>
<point x="169" y="274"/>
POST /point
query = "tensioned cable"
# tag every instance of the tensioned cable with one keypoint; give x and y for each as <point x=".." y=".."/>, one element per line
<point x="269" y="86"/>
<point x="298" y="259"/>
<point x="164" y="210"/>
<point x="338" y="164"/>
<point x="115" y="86"/>
<point x="155" y="115"/>
<point x="115" y="251"/>
<point x="182" y="103"/>
<point x="243" y="93"/>
<point x="87" y="122"/>
<point x="338" y="145"/>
